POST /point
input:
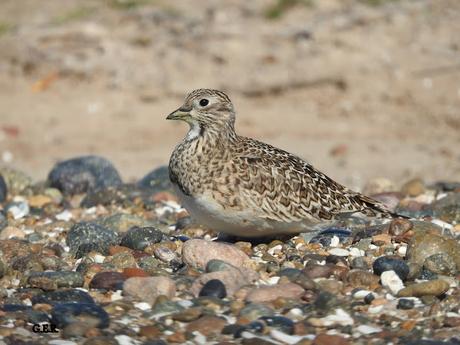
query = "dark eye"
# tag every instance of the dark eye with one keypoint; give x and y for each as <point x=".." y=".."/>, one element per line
<point x="204" y="102"/>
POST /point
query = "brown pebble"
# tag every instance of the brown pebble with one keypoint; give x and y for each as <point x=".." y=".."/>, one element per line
<point x="399" y="226"/>
<point x="134" y="272"/>
<point x="272" y="292"/>
<point x="207" y="325"/>
<point x="150" y="332"/>
<point x="149" y="288"/>
<point x="176" y="337"/>
<point x="188" y="315"/>
<point x="433" y="287"/>
<point x="118" y="249"/>
<point x="327" y="339"/>
<point x="363" y="279"/>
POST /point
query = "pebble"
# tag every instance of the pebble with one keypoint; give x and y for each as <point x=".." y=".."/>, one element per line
<point x="213" y="288"/>
<point x="139" y="238"/>
<point x="447" y="208"/>
<point x="149" y="288"/>
<point x="327" y="237"/>
<point x="207" y="325"/>
<point x="53" y="280"/>
<point x="405" y="303"/>
<point x="18" y="209"/>
<point x="391" y="281"/>
<point x="62" y="296"/>
<point x="254" y="311"/>
<point x="3" y="189"/>
<point x="388" y="263"/>
<point x="81" y="174"/>
<point x="424" y="245"/>
<point x="107" y="281"/>
<point x="271" y="293"/>
<point x="413" y="187"/>
<point x="441" y="263"/>
<point x="16" y="181"/>
<point x="122" y="222"/>
<point x="330" y="339"/>
<point x="339" y="252"/>
<point x="67" y="313"/>
<point x="197" y="253"/>
<point x="157" y="180"/>
<point x="433" y="287"/>
<point x="84" y="237"/>
<point x="232" y="277"/>
<point x="280" y="323"/>
<point x="11" y="232"/>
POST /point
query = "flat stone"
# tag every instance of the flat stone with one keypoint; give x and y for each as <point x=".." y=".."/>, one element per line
<point x="197" y="253"/>
<point x="149" y="288"/>
<point x="271" y="293"/>
<point x="207" y="325"/>
<point x="432" y="287"/>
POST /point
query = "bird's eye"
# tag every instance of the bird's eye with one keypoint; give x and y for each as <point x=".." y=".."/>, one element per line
<point x="204" y="102"/>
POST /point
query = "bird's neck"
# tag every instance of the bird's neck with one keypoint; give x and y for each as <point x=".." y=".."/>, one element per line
<point x="218" y="135"/>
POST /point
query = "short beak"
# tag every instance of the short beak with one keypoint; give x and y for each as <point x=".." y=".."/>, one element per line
<point x="179" y="114"/>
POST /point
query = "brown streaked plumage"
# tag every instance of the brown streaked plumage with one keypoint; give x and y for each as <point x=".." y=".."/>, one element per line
<point x="244" y="187"/>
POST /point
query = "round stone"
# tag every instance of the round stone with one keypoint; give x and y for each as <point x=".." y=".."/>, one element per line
<point x="281" y="323"/>
<point x="139" y="238"/>
<point x="68" y="313"/>
<point x="84" y="237"/>
<point x="388" y="263"/>
<point x="405" y="303"/>
<point x="78" y="175"/>
<point x="440" y="263"/>
<point x="107" y="281"/>
<point x="157" y="180"/>
<point x="213" y="288"/>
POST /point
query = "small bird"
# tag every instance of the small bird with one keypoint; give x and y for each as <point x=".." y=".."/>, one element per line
<point x="246" y="188"/>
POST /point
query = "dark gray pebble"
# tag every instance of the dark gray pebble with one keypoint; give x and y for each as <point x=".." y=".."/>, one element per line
<point x="3" y="189"/>
<point x="388" y="263"/>
<point x="325" y="236"/>
<point x="139" y="238"/>
<point x="405" y="303"/>
<point x="280" y="323"/>
<point x="107" y="281"/>
<point x="84" y="237"/>
<point x="78" y="175"/>
<point x="214" y="288"/>
<point x="63" y="296"/>
<point x="67" y="313"/>
<point x="50" y="279"/>
<point x="447" y="208"/>
<point x="157" y="180"/>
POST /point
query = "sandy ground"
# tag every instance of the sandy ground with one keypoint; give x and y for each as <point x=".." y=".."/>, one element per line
<point x="360" y="91"/>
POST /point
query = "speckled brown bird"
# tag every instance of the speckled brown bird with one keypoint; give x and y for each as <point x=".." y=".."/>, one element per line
<point x="244" y="187"/>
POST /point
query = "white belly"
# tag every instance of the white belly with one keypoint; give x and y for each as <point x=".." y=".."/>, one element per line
<point x="206" y="211"/>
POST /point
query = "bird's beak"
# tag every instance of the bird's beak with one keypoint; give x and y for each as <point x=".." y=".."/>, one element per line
<point x="179" y="114"/>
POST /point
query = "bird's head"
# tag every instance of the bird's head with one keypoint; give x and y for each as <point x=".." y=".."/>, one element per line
<point x="206" y="110"/>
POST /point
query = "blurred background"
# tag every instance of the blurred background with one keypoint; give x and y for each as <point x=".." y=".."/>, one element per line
<point x="360" y="88"/>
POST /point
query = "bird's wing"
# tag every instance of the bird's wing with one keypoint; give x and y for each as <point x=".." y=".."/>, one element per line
<point x="286" y="188"/>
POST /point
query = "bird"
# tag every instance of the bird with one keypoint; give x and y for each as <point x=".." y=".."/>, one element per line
<point x="243" y="187"/>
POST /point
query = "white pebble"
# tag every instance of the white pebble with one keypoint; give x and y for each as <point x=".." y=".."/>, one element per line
<point x="99" y="259"/>
<point x="142" y="305"/>
<point x="185" y="303"/>
<point x="116" y="296"/>
<point x="125" y="340"/>
<point x="285" y="338"/>
<point x="61" y="342"/>
<point x="361" y="294"/>
<point x="356" y="252"/>
<point x="402" y="250"/>
<point x="391" y="281"/>
<point x="65" y="215"/>
<point x="366" y="329"/>
<point x="19" y="210"/>
<point x="334" y="241"/>
<point x="339" y="252"/>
